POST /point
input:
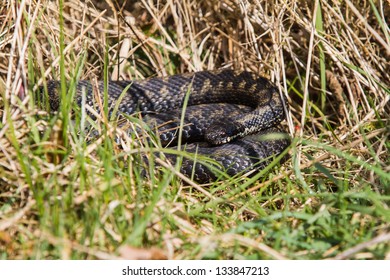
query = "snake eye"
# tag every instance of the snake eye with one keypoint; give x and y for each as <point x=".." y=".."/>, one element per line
<point x="220" y="133"/>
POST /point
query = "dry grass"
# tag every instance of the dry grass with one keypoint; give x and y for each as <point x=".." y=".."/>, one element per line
<point x="63" y="198"/>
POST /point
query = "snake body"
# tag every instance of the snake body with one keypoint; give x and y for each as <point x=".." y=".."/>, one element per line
<point x="229" y="112"/>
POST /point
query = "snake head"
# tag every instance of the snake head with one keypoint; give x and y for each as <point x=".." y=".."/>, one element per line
<point x="219" y="133"/>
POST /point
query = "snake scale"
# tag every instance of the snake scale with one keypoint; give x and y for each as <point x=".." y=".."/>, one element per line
<point x="229" y="116"/>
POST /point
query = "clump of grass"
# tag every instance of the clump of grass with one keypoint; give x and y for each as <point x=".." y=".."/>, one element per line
<point x="65" y="194"/>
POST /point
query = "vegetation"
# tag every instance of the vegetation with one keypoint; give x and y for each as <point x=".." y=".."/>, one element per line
<point x="67" y="195"/>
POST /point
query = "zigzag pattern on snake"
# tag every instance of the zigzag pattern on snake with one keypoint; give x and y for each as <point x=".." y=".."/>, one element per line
<point x="228" y="117"/>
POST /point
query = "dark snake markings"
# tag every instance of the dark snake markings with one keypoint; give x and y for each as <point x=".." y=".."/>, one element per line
<point x="231" y="113"/>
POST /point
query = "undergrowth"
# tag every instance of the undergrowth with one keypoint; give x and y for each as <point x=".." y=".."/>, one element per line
<point x="67" y="194"/>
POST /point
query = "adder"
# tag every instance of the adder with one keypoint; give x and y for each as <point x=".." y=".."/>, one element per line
<point x="231" y="116"/>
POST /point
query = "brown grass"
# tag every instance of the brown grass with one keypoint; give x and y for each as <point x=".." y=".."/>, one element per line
<point x="334" y="73"/>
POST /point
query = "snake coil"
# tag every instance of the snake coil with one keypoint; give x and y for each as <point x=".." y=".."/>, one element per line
<point x="231" y="113"/>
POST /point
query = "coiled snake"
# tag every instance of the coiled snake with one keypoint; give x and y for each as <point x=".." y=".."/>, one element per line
<point x="231" y="113"/>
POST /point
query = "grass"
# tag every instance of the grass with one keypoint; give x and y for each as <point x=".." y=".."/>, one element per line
<point x="67" y="195"/>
